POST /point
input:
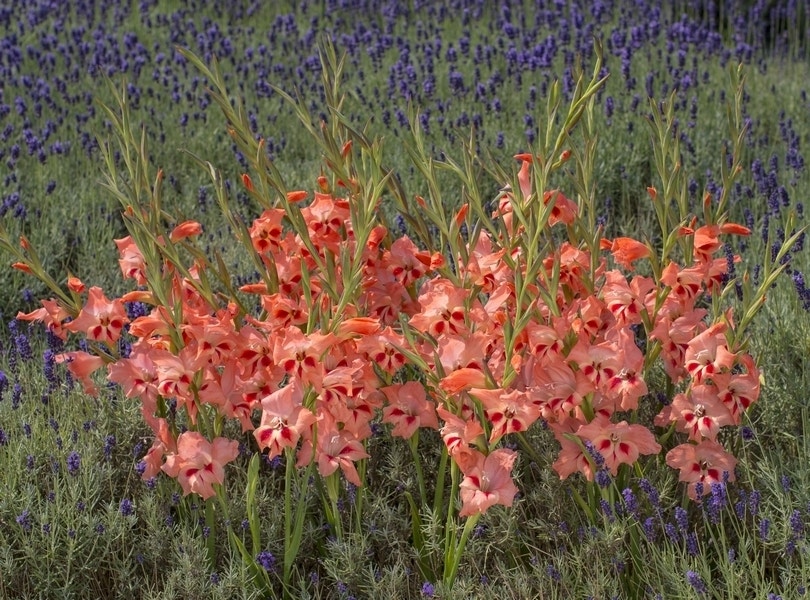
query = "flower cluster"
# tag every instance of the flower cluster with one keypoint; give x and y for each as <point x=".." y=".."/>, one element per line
<point x="310" y="374"/>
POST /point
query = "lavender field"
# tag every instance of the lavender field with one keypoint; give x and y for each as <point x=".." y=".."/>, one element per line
<point x="78" y="520"/>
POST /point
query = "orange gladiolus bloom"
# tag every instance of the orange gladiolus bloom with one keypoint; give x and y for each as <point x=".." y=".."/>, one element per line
<point x="461" y="379"/>
<point x="508" y="411"/>
<point x="81" y="365"/>
<point x="284" y="420"/>
<point x="487" y="481"/>
<point x="619" y="443"/>
<point x="707" y="354"/>
<point x="199" y="464"/>
<point x="101" y="319"/>
<point x="338" y="449"/>
<point x="408" y="409"/>
<point x="131" y="260"/>
<point x="51" y="314"/>
<point x="705" y="463"/>
<point x="460" y="436"/>
<point x="626" y="250"/>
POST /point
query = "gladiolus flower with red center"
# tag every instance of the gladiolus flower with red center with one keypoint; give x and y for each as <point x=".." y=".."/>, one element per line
<point x="301" y="355"/>
<point x="738" y="391"/>
<point x="52" y="314"/>
<point x="572" y="457"/>
<point x="707" y="354"/>
<point x="619" y="443"/>
<point x="487" y="481"/>
<point x="266" y="231"/>
<point x="338" y="449"/>
<point x="284" y="420"/>
<point x="199" y="464"/>
<point x="101" y="319"/>
<point x="705" y="463"/>
<point x="408" y="409"/>
<point x="701" y="413"/>
<point x="407" y="263"/>
<point x="460" y="435"/>
<point x="383" y="349"/>
<point x="131" y="260"/>
<point x="508" y="411"/>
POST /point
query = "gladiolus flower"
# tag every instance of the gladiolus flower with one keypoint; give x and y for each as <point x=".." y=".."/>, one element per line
<point x="337" y="449"/>
<point x="297" y="196"/>
<point x="488" y="481"/>
<point x="708" y="355"/>
<point x="131" y="260"/>
<point x="701" y="414"/>
<point x="101" y="319"/>
<point x="705" y="463"/>
<point x="461" y="379"/>
<point x="284" y="420"/>
<point x="81" y="365"/>
<point x="738" y="391"/>
<point x="266" y="231"/>
<point x="19" y="266"/>
<point x="626" y="250"/>
<point x="460" y="435"/>
<point x="619" y="443"/>
<point x="76" y="285"/>
<point x="508" y="411"/>
<point x="408" y="409"/>
<point x="199" y="464"/>
<point x="706" y="242"/>
<point x="51" y="314"/>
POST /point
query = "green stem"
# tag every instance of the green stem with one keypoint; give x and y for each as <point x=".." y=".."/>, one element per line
<point x="438" y="493"/>
<point x="211" y="539"/>
<point x="413" y="444"/>
<point x="333" y="515"/>
<point x="528" y="448"/>
<point x="451" y="565"/>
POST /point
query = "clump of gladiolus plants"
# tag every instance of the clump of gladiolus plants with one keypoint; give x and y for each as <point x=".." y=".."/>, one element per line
<point x="488" y="320"/>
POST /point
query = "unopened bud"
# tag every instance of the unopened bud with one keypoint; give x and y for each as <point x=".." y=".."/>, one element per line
<point x="75" y="284"/>
<point x="565" y="155"/>
<point x="347" y="147"/>
<point x="297" y="195"/>
<point x="21" y="267"/>
<point x="247" y="182"/>
<point x="652" y="192"/>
